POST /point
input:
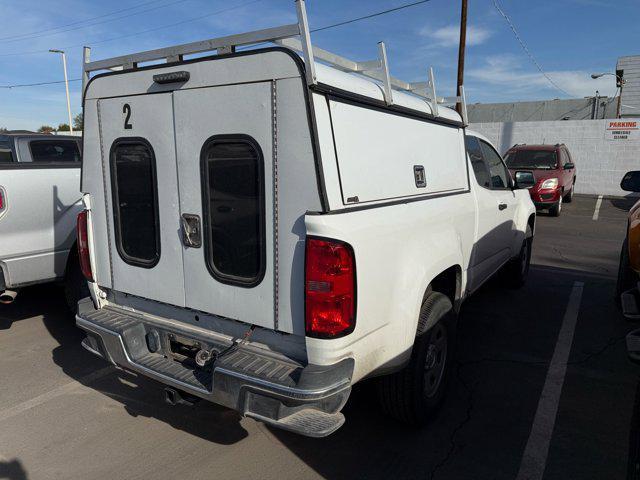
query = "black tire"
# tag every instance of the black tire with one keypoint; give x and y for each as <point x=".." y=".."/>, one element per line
<point x="627" y="278"/>
<point x="415" y="392"/>
<point x="517" y="270"/>
<point x="75" y="285"/>
<point x="556" y="209"/>
<point x="568" y="198"/>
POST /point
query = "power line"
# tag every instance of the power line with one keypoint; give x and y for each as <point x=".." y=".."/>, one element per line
<point x="37" y="84"/>
<point x="326" y="27"/>
<point x="526" y="49"/>
<point x="80" y="27"/>
<point x="366" y="17"/>
<point x="345" y="22"/>
<point x="80" y="21"/>
<point x="141" y="32"/>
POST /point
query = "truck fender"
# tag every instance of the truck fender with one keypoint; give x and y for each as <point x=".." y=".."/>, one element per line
<point x="455" y="260"/>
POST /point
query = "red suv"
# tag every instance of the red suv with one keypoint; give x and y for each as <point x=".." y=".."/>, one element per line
<point x="553" y="169"/>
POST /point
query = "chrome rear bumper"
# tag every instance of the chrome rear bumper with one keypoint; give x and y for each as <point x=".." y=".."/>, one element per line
<point x="270" y="387"/>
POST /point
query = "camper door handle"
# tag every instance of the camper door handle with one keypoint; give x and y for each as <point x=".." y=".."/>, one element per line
<point x="191" y="232"/>
<point x="502" y="206"/>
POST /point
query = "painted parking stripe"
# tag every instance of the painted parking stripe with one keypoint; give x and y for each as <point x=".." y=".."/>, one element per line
<point x="51" y="394"/>
<point x="534" y="459"/>
<point x="596" y="212"/>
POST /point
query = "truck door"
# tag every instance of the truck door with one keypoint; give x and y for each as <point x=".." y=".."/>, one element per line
<point x="495" y="207"/>
<point x="501" y="187"/>
<point x="142" y="206"/>
<point x="224" y="155"/>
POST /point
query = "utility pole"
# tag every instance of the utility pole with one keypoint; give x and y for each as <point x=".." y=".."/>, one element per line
<point x="619" y="83"/>
<point x="66" y="84"/>
<point x="461" y="49"/>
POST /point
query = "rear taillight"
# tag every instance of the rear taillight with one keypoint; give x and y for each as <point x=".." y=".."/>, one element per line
<point x="83" y="246"/>
<point x="330" y="288"/>
<point x="2" y="201"/>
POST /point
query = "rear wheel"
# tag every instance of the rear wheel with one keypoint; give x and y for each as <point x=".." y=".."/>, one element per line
<point x="557" y="208"/>
<point x="518" y="268"/>
<point x="415" y="392"/>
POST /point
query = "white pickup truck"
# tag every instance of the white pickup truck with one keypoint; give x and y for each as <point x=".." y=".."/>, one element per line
<point x="39" y="203"/>
<point x="264" y="232"/>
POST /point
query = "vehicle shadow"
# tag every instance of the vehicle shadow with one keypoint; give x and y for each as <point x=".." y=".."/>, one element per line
<point x="138" y="395"/>
<point x="373" y="446"/>
<point x="26" y="305"/>
<point x="12" y="470"/>
<point x="624" y="203"/>
<point x="504" y="344"/>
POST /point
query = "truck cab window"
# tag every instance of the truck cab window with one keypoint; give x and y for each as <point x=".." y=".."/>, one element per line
<point x="135" y="205"/>
<point x="477" y="161"/>
<point x="6" y="154"/>
<point x="497" y="169"/>
<point x="55" y="151"/>
<point x="233" y="179"/>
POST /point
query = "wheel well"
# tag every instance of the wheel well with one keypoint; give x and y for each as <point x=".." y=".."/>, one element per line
<point x="447" y="283"/>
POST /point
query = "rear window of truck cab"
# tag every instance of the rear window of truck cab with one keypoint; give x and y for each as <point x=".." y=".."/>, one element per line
<point x="6" y="154"/>
<point x="54" y="151"/>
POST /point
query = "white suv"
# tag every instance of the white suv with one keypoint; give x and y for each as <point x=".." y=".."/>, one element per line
<point x="265" y="239"/>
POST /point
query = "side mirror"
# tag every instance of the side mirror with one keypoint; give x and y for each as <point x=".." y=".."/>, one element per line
<point x="631" y="181"/>
<point x="524" y="180"/>
<point x="569" y="166"/>
<point x="633" y="346"/>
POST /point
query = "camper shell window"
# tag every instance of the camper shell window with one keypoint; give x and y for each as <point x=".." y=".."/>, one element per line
<point x="232" y="169"/>
<point x="135" y="201"/>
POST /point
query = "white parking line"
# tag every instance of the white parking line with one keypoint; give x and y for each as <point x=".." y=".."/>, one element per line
<point x="51" y="394"/>
<point x="534" y="458"/>
<point x="596" y="212"/>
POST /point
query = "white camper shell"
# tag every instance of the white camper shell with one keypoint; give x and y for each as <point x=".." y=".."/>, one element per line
<point x="263" y="231"/>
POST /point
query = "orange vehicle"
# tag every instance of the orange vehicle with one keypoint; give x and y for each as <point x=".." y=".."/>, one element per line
<point x="629" y="268"/>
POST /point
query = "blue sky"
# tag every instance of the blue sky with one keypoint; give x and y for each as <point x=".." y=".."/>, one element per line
<point x="569" y="38"/>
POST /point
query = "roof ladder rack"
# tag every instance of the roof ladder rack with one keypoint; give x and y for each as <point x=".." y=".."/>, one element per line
<point x="285" y="36"/>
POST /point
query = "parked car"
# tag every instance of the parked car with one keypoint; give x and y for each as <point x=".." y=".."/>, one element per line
<point x="265" y="244"/>
<point x="554" y="170"/>
<point x="39" y="202"/>
<point x="629" y="268"/>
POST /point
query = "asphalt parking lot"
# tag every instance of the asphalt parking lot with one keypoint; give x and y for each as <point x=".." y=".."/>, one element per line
<point x="66" y="414"/>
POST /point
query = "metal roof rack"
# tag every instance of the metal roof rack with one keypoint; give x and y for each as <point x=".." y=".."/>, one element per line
<point x="377" y="69"/>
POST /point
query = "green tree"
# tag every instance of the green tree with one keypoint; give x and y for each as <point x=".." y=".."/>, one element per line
<point x="46" y="129"/>
<point x="78" y="122"/>
<point x="3" y="130"/>
<point x="63" y="127"/>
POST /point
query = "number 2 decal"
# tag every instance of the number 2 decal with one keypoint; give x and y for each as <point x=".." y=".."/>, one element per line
<point x="126" y="109"/>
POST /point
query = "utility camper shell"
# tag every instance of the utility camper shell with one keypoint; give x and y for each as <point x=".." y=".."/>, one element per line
<point x="209" y="184"/>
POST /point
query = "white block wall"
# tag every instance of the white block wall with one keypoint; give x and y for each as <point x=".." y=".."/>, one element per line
<point x="600" y="163"/>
